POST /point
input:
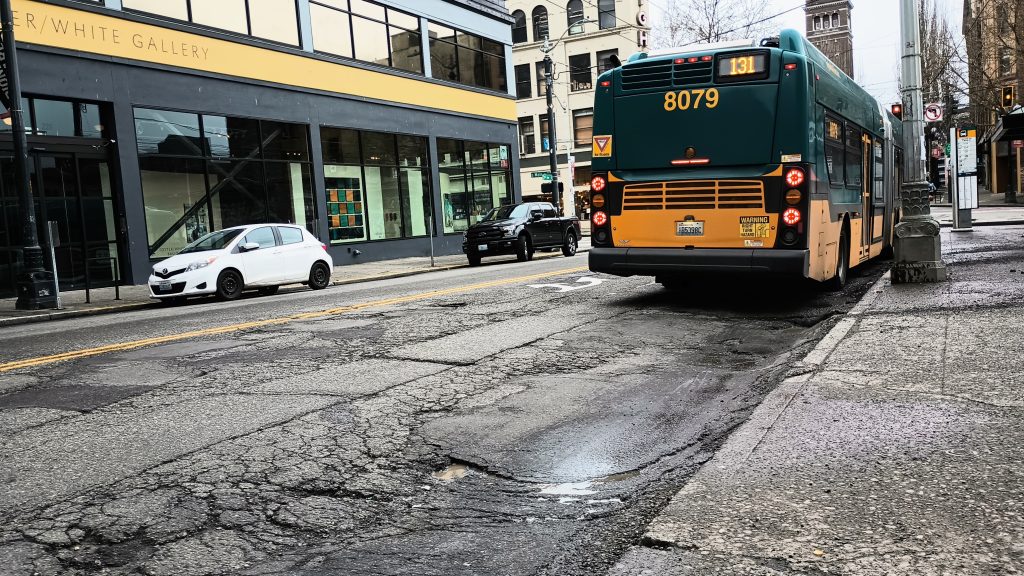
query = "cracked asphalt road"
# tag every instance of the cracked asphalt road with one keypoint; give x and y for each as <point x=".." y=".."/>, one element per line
<point x="476" y="421"/>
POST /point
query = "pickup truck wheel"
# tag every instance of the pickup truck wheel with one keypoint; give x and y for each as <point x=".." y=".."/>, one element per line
<point x="524" y="249"/>
<point x="570" y="245"/>
<point x="474" y="260"/>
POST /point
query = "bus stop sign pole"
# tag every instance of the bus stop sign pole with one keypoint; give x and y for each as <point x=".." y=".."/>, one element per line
<point x="917" y="246"/>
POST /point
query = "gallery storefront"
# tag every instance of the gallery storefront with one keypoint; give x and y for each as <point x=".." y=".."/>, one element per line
<point x="373" y="124"/>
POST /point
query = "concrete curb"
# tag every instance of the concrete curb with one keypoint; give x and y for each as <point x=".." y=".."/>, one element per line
<point x="989" y="223"/>
<point x="69" y="314"/>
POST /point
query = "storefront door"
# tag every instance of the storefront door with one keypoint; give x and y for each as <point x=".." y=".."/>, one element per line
<point x="75" y="190"/>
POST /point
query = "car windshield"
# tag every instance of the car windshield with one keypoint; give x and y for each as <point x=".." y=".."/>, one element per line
<point x="212" y="241"/>
<point x="506" y="212"/>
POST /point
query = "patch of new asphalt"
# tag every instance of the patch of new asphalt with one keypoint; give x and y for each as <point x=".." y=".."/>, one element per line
<point x="513" y="429"/>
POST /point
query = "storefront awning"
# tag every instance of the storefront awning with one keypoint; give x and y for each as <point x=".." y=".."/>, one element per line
<point x="1009" y="127"/>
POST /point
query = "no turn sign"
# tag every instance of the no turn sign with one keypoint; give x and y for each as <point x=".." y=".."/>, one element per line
<point x="933" y="113"/>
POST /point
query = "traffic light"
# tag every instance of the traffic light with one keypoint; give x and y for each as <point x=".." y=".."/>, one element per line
<point x="897" y="111"/>
<point x="1009" y="96"/>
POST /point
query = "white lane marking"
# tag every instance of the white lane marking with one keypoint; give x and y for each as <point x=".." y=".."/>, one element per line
<point x="586" y="281"/>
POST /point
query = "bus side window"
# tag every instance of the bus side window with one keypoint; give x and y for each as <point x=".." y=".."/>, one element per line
<point x="835" y="157"/>
<point x="879" y="175"/>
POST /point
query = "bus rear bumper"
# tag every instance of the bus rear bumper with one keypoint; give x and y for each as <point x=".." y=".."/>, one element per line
<point x="669" y="261"/>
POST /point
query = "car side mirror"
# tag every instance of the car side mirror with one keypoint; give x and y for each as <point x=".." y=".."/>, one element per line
<point x="250" y="246"/>
<point x="536" y="216"/>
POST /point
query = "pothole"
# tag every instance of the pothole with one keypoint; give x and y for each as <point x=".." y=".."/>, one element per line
<point x="451" y="473"/>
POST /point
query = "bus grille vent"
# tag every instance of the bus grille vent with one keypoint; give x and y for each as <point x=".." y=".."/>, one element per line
<point x="664" y="75"/>
<point x="695" y="195"/>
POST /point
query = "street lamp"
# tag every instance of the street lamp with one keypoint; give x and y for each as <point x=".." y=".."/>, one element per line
<point x="556" y="195"/>
<point x="35" y="284"/>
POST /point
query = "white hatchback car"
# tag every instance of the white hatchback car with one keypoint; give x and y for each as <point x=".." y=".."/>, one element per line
<point x="257" y="257"/>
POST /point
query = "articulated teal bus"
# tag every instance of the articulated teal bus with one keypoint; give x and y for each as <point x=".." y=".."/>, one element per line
<point x="740" y="159"/>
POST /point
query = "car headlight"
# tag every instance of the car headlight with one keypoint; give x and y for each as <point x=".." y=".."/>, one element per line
<point x="200" y="264"/>
<point x="508" y="230"/>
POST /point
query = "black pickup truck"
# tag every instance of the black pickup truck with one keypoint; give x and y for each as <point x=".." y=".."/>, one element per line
<point x="521" y="229"/>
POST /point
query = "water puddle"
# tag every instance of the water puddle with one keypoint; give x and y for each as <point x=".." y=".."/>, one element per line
<point x="569" y="489"/>
<point x="622" y="477"/>
<point x="451" y="473"/>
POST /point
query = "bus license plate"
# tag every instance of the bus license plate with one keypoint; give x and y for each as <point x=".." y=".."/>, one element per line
<point x="689" y="228"/>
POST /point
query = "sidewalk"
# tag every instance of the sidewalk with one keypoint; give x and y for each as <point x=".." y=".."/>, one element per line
<point x="898" y="449"/>
<point x="983" y="216"/>
<point x="136" y="297"/>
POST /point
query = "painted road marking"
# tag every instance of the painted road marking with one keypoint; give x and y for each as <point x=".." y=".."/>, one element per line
<point x="123" y="346"/>
<point x="587" y="281"/>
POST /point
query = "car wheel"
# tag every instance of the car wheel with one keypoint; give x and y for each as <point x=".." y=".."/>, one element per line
<point x="268" y="291"/>
<point x="474" y="260"/>
<point x="229" y="285"/>
<point x="570" y="245"/>
<point x="838" y="282"/>
<point x="319" y="276"/>
<point x="524" y="251"/>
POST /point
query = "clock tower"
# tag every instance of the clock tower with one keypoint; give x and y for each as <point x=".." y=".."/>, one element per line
<point x="828" y="28"/>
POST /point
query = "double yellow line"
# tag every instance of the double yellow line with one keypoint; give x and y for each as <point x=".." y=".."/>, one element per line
<point x="120" y="347"/>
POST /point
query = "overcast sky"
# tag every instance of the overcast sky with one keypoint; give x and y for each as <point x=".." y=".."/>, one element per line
<point x="876" y="31"/>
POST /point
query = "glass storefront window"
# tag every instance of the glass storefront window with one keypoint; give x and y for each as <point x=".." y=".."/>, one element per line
<point x="167" y="132"/>
<point x="177" y="9"/>
<point x="54" y="118"/>
<point x="175" y="196"/>
<point x="275" y="20"/>
<point x="467" y="58"/>
<point x="369" y="32"/>
<point x="475" y="177"/>
<point x="241" y="171"/>
<point x="331" y="31"/>
<point x="378" y="185"/>
<point x="223" y="14"/>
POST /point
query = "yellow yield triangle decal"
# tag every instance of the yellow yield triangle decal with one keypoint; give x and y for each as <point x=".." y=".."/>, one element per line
<point x="602" y="146"/>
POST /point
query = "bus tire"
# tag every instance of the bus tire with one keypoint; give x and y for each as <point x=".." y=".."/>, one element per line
<point x="838" y="282"/>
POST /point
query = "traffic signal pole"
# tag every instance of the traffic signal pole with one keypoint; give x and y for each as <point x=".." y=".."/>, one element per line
<point x="34" y="283"/>
<point x="917" y="246"/>
<point x="552" y="137"/>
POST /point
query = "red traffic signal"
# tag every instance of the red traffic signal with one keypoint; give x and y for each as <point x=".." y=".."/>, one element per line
<point x="897" y="111"/>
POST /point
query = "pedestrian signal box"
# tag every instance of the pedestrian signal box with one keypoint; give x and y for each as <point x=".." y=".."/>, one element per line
<point x="545" y="188"/>
<point x="897" y="111"/>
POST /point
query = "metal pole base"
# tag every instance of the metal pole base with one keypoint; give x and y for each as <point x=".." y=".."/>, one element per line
<point x="917" y="246"/>
<point x="35" y="291"/>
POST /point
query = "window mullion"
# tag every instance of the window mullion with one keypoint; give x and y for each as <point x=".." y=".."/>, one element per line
<point x="248" y="18"/>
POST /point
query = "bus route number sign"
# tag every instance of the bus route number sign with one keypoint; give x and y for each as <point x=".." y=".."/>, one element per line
<point x="755" y="226"/>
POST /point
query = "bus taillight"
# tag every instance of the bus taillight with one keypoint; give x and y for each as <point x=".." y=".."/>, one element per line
<point x="791" y="216"/>
<point x="794" y="177"/>
<point x="597" y="200"/>
<point x="597" y="183"/>
<point x="599" y="218"/>
<point x="793" y="197"/>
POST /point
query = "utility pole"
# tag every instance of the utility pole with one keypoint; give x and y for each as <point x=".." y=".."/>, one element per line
<point x="917" y="245"/>
<point x="35" y="284"/>
<point x="549" y="83"/>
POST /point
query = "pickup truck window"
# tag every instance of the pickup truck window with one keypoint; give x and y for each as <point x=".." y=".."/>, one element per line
<point x="506" y="212"/>
<point x="549" y="211"/>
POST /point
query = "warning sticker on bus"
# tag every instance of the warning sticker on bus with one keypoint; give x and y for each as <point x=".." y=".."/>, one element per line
<point x="755" y="226"/>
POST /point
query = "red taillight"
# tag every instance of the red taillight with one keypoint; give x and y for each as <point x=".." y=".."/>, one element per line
<point x="794" y="177"/>
<point x="693" y="60"/>
<point x="790" y="66"/>
<point x="705" y="58"/>
<point x="324" y="246"/>
<point x="606" y="83"/>
<point x="680" y="60"/>
<point x="597" y="183"/>
<point x="791" y="216"/>
<point x="599" y="218"/>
